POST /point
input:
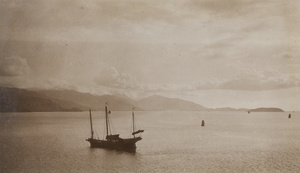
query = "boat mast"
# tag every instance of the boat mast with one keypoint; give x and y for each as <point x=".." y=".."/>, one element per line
<point x="106" y="119"/>
<point x="92" y="131"/>
<point x="133" y="122"/>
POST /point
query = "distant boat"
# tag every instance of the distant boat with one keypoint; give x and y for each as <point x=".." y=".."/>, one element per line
<point x="113" y="141"/>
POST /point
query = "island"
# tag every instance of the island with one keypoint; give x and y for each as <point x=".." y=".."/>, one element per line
<point x="266" y="110"/>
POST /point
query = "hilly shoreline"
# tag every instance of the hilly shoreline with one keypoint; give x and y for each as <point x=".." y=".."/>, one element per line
<point x="23" y="100"/>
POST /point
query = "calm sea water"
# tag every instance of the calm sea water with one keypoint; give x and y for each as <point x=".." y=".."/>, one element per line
<point x="172" y="142"/>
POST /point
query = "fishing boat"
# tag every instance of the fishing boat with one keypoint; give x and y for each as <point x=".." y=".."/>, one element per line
<point x="113" y="141"/>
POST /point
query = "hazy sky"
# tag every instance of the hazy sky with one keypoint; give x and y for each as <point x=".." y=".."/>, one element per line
<point x="218" y="53"/>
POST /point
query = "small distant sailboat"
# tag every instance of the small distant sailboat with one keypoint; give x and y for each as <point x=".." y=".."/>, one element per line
<point x="113" y="141"/>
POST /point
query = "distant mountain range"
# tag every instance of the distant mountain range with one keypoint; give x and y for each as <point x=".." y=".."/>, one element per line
<point x="266" y="110"/>
<point x="159" y="103"/>
<point x="24" y="100"/>
<point x="21" y="100"/>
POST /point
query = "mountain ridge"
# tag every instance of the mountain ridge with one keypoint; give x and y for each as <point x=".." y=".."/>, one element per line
<point x="160" y="103"/>
<point x="90" y="101"/>
<point x="25" y="100"/>
<point x="21" y="100"/>
<point x="263" y="109"/>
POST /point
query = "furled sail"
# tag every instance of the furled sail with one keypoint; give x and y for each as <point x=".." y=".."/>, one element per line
<point x="136" y="132"/>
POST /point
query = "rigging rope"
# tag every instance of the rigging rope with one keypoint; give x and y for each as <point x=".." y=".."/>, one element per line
<point x="112" y="127"/>
<point x="103" y="131"/>
<point x="97" y="135"/>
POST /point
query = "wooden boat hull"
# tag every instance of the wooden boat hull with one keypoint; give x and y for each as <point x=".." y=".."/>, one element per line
<point x="119" y="144"/>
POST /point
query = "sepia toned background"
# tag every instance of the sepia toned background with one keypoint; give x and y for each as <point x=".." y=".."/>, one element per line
<point x="214" y="53"/>
<point x="231" y="64"/>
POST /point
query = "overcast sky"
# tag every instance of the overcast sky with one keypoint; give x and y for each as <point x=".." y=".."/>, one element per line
<point x="237" y="53"/>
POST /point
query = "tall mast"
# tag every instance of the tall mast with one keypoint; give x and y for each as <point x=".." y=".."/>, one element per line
<point x="92" y="131"/>
<point x="106" y="119"/>
<point x="133" y="121"/>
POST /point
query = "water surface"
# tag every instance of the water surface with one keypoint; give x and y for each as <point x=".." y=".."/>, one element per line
<point x="172" y="142"/>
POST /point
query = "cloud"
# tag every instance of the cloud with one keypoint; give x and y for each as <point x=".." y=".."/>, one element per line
<point x="225" y="8"/>
<point x="253" y="80"/>
<point x="247" y="80"/>
<point x="13" y="66"/>
<point x="110" y="77"/>
<point x="171" y="45"/>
